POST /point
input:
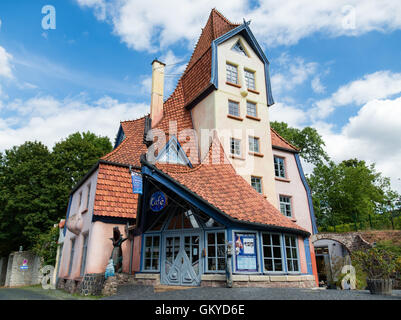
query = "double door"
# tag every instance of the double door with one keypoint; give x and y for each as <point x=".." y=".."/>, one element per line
<point x="181" y="263"/>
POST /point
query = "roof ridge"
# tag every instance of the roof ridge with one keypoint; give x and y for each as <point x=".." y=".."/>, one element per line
<point x="143" y="117"/>
<point x="285" y="141"/>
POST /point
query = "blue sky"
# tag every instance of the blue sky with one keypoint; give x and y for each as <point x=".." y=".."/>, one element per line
<point x="335" y="65"/>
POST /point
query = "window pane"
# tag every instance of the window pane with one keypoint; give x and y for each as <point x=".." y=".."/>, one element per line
<point x="211" y="264"/>
<point x="267" y="252"/>
<point x="268" y="265"/>
<point x="250" y="79"/>
<point x="232" y="73"/>
<point x="276" y="239"/>
<point x="251" y="109"/>
<point x="278" y="266"/>
<point x="266" y="239"/>
<point x="233" y="108"/>
<point x="221" y="264"/>
<point x="211" y="251"/>
<point x="277" y="252"/>
<point x="221" y="239"/>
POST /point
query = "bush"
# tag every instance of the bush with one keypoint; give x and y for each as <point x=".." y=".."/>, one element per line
<point x="378" y="262"/>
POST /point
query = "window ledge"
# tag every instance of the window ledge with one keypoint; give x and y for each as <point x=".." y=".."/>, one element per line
<point x="293" y="219"/>
<point x="233" y="84"/>
<point x="84" y="211"/>
<point x="282" y="179"/>
<point x="252" y="117"/>
<point x="236" y="157"/>
<point x="253" y="91"/>
<point x="256" y="154"/>
<point x="234" y="117"/>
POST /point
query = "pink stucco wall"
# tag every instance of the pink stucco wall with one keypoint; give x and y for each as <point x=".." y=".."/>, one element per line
<point x="302" y="256"/>
<point x="294" y="187"/>
<point x="136" y="257"/>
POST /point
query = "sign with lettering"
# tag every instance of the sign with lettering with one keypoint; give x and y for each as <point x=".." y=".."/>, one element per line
<point x="158" y="201"/>
<point x="136" y="182"/>
<point x="245" y="246"/>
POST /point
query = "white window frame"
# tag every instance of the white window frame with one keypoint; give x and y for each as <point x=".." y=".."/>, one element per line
<point x="248" y="103"/>
<point x="235" y="144"/>
<point x="260" y="181"/>
<point x="250" y="79"/>
<point x="231" y="73"/>
<point x="287" y="204"/>
<point x="237" y="112"/>
<point x="254" y="141"/>
<point x="278" y="168"/>
<point x="287" y="259"/>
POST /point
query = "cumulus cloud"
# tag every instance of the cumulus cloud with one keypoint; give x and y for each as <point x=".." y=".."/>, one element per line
<point x="378" y="85"/>
<point x="153" y="24"/>
<point x="48" y="120"/>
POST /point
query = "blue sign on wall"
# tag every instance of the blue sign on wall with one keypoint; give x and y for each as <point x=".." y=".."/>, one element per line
<point x="245" y="245"/>
<point x="158" y="201"/>
<point x="136" y="182"/>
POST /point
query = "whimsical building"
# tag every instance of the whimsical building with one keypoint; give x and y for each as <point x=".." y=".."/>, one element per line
<point x="201" y="171"/>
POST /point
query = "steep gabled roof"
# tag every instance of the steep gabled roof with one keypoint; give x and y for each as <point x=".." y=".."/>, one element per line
<point x="280" y="142"/>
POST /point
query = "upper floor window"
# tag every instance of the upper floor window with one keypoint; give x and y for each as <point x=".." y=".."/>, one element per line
<point x="279" y="167"/>
<point x="233" y="108"/>
<point x="239" y="48"/>
<point x="232" y="73"/>
<point x="285" y="205"/>
<point x="235" y="147"/>
<point x="254" y="144"/>
<point x="250" y="79"/>
<point x="256" y="183"/>
<point x="251" y="109"/>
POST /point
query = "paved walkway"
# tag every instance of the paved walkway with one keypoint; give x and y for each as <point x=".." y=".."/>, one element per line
<point x="131" y="292"/>
<point x="36" y="293"/>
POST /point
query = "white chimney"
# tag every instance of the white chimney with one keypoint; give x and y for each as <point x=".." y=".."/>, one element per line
<point x="156" y="102"/>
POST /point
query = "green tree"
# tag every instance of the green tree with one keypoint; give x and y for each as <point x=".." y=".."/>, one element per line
<point x="349" y="192"/>
<point x="307" y="140"/>
<point x="26" y="200"/>
<point x="72" y="158"/>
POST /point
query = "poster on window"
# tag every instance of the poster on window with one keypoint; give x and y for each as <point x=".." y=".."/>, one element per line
<point x="245" y="248"/>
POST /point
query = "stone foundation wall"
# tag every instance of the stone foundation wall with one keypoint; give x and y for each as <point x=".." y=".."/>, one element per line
<point x="16" y="276"/>
<point x="284" y="281"/>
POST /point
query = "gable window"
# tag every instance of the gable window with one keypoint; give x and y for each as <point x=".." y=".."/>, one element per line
<point x="84" y="251"/>
<point x="232" y="73"/>
<point x="152" y="249"/>
<point x="233" y="108"/>
<point x="235" y="147"/>
<point x="279" y="167"/>
<point x="216" y="251"/>
<point x="254" y="144"/>
<point x="291" y="250"/>
<point x="256" y="183"/>
<point x="251" y="109"/>
<point x="239" y="48"/>
<point x="249" y="79"/>
<point x="272" y="255"/>
<point x="71" y="255"/>
<point x="285" y="205"/>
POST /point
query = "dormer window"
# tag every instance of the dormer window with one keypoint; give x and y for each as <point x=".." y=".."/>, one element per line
<point x="232" y="73"/>
<point x="239" y="48"/>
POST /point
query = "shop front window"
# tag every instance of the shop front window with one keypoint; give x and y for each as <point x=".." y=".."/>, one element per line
<point x="272" y="255"/>
<point x="152" y="249"/>
<point x="291" y="250"/>
<point x="216" y="251"/>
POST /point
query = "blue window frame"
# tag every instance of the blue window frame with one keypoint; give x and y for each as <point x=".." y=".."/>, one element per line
<point x="151" y="257"/>
<point x="215" y="251"/>
<point x="272" y="252"/>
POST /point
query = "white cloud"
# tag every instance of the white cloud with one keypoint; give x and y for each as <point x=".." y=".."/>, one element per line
<point x="48" y="120"/>
<point x="378" y="85"/>
<point x="317" y="85"/>
<point x="154" y="24"/>
<point x="292" y="71"/>
<point x="291" y="115"/>
<point x="5" y="64"/>
<point x="372" y="135"/>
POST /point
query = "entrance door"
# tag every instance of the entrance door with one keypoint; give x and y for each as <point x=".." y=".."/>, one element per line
<point x="181" y="265"/>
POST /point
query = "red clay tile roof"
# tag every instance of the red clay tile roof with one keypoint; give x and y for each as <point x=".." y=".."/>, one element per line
<point x="279" y="141"/>
<point x="197" y="75"/>
<point x="222" y="187"/>
<point x="114" y="196"/>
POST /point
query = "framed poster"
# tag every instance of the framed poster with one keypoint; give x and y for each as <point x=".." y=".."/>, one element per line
<point x="246" y="253"/>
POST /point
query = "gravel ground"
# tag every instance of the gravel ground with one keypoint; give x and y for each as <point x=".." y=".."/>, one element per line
<point x="130" y="292"/>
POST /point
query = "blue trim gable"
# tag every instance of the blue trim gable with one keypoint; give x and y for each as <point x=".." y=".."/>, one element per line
<point x="120" y="137"/>
<point x="248" y="35"/>
<point x="181" y="152"/>
<point x="308" y="192"/>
